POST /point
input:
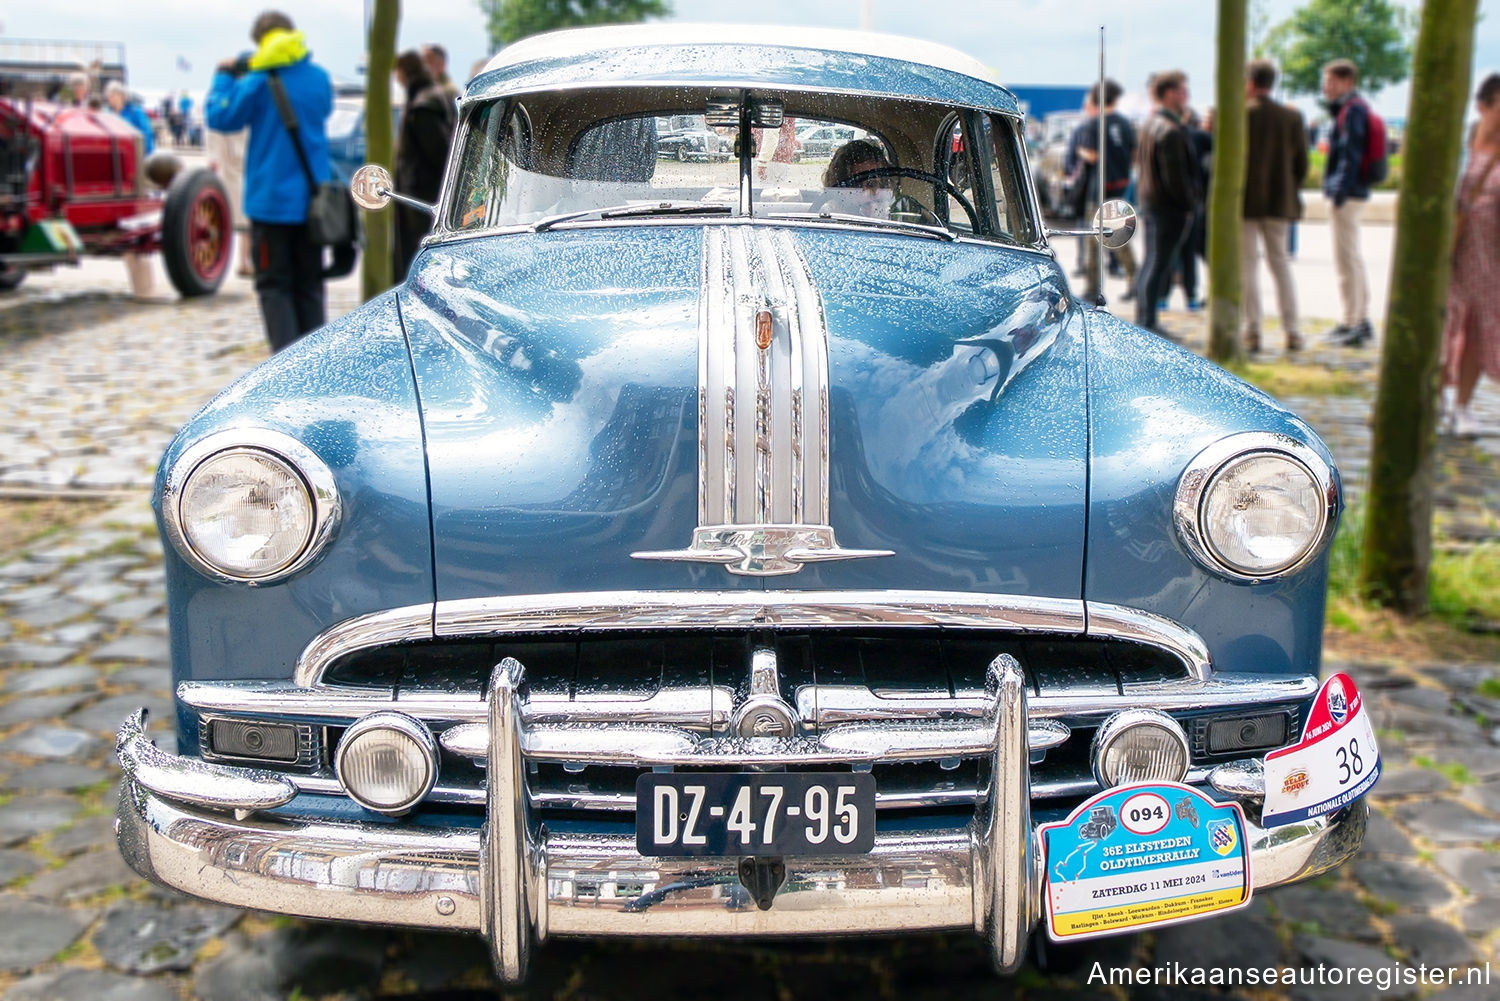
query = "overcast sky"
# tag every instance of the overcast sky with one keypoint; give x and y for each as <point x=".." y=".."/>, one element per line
<point x="1027" y="41"/>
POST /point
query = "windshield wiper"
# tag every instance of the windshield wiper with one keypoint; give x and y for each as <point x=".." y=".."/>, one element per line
<point x="631" y="209"/>
<point x="860" y="220"/>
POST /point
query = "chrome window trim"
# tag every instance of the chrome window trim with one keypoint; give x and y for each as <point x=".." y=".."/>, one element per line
<point x="315" y="475"/>
<point x="440" y="237"/>
<point x="593" y="611"/>
<point x="1204" y="468"/>
<point x="726" y="84"/>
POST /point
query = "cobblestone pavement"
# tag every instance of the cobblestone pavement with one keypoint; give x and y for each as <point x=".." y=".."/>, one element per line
<point x="97" y="384"/>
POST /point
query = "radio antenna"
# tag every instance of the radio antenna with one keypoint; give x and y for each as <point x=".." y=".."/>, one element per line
<point x="1101" y="163"/>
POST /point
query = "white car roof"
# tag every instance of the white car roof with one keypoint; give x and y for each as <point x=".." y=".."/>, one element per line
<point x="579" y="41"/>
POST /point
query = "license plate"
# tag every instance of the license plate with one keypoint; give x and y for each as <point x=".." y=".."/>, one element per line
<point x="771" y="813"/>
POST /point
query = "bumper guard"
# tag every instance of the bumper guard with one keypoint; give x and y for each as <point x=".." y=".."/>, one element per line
<point x="518" y="883"/>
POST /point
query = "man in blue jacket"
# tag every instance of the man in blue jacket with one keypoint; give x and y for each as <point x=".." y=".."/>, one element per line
<point x="288" y="267"/>
<point x="1348" y="192"/>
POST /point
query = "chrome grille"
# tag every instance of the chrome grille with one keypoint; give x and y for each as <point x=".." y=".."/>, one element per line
<point x="615" y="682"/>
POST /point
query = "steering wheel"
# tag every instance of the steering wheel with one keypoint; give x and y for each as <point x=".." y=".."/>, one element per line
<point x="937" y="181"/>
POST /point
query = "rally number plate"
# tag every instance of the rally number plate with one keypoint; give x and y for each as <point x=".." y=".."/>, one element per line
<point x="761" y="813"/>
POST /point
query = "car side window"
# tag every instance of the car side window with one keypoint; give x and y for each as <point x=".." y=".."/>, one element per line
<point x="496" y="142"/>
<point x="1014" y="217"/>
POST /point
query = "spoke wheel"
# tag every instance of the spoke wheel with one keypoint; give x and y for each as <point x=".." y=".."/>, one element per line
<point x="197" y="233"/>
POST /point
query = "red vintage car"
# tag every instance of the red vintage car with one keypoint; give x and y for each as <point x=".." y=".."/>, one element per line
<point x="74" y="181"/>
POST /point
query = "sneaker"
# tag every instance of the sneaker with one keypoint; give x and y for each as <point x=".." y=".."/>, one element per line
<point x="1464" y="424"/>
<point x="1252" y="342"/>
<point x="1447" y="410"/>
<point x="1341" y="335"/>
<point x="1294" y="341"/>
<point x="1362" y="333"/>
<point x="1195" y="305"/>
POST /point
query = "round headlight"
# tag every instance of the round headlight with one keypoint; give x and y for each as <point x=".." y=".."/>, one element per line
<point x="251" y="506"/>
<point x="387" y="762"/>
<point x="246" y="513"/>
<point x="1139" y="745"/>
<point x="1256" y="506"/>
<point x="1262" y="513"/>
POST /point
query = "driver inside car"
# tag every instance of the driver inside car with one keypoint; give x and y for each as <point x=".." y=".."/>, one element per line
<point x="869" y="196"/>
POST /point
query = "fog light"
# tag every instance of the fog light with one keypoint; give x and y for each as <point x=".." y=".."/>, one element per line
<point x="387" y="762"/>
<point x="1139" y="745"/>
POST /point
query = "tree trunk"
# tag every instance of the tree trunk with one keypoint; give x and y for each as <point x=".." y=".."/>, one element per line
<point x="1227" y="194"/>
<point x="1397" y="544"/>
<point x="375" y="273"/>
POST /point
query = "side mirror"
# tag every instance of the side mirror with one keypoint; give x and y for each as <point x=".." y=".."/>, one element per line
<point x="370" y="187"/>
<point x="1115" y="222"/>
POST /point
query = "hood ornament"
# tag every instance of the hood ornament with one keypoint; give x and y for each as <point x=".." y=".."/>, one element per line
<point x="763" y="550"/>
<point x="762" y="410"/>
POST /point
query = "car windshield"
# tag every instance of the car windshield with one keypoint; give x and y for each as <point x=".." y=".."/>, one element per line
<point x="580" y="156"/>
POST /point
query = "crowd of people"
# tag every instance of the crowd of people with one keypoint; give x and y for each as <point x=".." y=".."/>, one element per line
<point x="1166" y="169"/>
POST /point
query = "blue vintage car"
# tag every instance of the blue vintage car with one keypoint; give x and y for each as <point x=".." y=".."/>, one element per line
<point x="741" y="548"/>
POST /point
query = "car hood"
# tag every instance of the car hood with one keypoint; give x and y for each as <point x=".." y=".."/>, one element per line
<point x="562" y="399"/>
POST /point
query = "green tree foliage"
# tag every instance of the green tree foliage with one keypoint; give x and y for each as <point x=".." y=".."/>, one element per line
<point x="375" y="270"/>
<point x="1227" y="195"/>
<point x="1396" y="550"/>
<point x="509" y="20"/>
<point x="1376" y="34"/>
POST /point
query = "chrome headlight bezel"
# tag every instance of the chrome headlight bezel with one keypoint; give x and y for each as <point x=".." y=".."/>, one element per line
<point x="413" y="730"/>
<point x="1204" y="469"/>
<point x="316" y="477"/>
<point x="1121" y="723"/>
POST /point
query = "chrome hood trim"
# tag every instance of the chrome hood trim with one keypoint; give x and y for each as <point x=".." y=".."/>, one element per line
<point x="600" y="611"/>
<point x="762" y="467"/>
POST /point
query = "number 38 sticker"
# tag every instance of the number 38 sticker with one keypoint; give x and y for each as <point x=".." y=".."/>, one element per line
<point x="1334" y="763"/>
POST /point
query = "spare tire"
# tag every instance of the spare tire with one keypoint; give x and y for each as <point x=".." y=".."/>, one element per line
<point x="197" y="232"/>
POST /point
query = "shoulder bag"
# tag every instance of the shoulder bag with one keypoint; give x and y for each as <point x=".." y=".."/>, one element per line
<point x="331" y="216"/>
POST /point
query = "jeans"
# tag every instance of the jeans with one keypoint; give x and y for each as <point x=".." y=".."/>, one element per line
<point x="288" y="280"/>
<point x="1167" y="233"/>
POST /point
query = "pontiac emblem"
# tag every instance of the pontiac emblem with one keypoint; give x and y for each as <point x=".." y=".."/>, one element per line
<point x="763" y="329"/>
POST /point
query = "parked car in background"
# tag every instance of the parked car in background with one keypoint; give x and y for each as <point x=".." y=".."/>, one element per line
<point x="689" y="550"/>
<point x="346" y="136"/>
<point x="346" y="129"/>
<point x="76" y="181"/>
<point x="685" y="137"/>
<point x="1051" y="173"/>
<point x="819" y="143"/>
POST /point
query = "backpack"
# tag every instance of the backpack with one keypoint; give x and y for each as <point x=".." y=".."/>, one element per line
<point x="1374" y="166"/>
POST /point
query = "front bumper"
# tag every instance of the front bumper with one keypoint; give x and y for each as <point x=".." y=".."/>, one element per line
<point x="518" y="883"/>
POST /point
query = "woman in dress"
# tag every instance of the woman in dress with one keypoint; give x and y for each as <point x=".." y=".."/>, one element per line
<point x="1471" y="335"/>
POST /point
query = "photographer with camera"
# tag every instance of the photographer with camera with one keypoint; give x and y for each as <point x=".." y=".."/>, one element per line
<point x="276" y="86"/>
